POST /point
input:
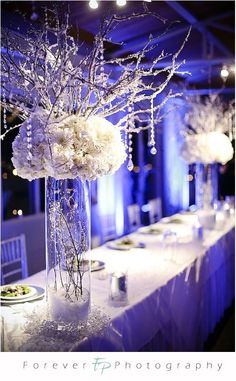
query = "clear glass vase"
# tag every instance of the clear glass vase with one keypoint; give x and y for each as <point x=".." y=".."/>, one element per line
<point x="206" y="185"/>
<point x="68" y="243"/>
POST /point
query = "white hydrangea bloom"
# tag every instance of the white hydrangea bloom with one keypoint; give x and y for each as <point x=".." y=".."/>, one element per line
<point x="205" y="124"/>
<point x="207" y="148"/>
<point x="68" y="147"/>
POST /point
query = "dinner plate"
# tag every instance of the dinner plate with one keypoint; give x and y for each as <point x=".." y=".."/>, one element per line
<point x="117" y="245"/>
<point x="150" y="230"/>
<point x="18" y="297"/>
<point x="97" y="265"/>
<point x="175" y="220"/>
<point x="40" y="292"/>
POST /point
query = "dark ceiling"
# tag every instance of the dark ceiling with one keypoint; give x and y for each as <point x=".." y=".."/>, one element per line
<point x="211" y="43"/>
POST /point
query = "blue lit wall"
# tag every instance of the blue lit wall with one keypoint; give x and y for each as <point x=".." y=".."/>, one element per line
<point x="175" y="170"/>
<point x="114" y="195"/>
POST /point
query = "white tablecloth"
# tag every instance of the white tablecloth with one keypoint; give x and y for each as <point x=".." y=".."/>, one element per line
<point x="172" y="305"/>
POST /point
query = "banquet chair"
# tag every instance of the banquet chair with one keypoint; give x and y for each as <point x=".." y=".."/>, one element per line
<point x="108" y="226"/>
<point x="134" y="216"/>
<point x="155" y="210"/>
<point x="13" y="259"/>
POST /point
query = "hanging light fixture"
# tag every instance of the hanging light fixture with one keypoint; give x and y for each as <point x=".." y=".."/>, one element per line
<point x="121" y="3"/>
<point x="224" y="72"/>
<point x="93" y="4"/>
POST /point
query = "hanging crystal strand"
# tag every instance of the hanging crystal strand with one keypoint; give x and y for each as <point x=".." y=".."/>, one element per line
<point x="77" y="101"/>
<point x="130" y="165"/>
<point x="152" y="142"/>
<point x="126" y="139"/>
<point x="4" y="109"/>
<point x="46" y="24"/>
<point x="101" y="67"/>
<point x="230" y="127"/>
<point x="74" y="98"/>
<point x="130" y="122"/>
<point x="29" y="140"/>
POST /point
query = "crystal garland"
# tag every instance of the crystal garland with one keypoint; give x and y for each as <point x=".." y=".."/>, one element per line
<point x="4" y="109"/>
<point x="152" y="142"/>
<point x="130" y="127"/>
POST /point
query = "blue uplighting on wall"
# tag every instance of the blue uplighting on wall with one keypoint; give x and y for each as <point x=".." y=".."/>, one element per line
<point x="175" y="170"/>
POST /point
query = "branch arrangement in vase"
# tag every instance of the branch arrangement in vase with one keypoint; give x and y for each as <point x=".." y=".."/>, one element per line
<point x="63" y="93"/>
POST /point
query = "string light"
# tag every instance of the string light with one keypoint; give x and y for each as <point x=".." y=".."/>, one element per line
<point x="121" y="3"/>
<point x="14" y="172"/>
<point x="190" y="177"/>
<point x="136" y="169"/>
<point x="93" y="4"/>
<point x="20" y="212"/>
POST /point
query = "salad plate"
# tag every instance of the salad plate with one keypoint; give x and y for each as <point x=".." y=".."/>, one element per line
<point x="38" y="293"/>
<point x="17" y="291"/>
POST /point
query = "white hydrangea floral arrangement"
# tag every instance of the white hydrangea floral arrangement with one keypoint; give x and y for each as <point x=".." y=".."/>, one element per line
<point x="204" y="138"/>
<point x="212" y="147"/>
<point x="70" y="146"/>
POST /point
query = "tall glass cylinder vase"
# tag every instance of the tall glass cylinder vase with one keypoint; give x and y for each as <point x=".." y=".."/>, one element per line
<point x="206" y="185"/>
<point x="68" y="244"/>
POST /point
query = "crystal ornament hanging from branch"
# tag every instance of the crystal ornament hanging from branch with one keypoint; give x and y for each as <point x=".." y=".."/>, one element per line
<point x="68" y="94"/>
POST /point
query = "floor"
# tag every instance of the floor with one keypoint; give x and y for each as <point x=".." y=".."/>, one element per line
<point x="223" y="338"/>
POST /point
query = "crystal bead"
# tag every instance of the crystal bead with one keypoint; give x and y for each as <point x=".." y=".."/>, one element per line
<point x="29" y="156"/>
<point x="130" y="165"/>
<point x="153" y="151"/>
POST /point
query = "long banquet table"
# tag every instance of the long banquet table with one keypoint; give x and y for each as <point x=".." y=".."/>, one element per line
<point x="173" y="305"/>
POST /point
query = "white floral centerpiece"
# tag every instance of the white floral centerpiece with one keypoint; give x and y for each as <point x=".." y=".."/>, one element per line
<point x="204" y="132"/>
<point x="205" y="143"/>
<point x="207" y="148"/>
